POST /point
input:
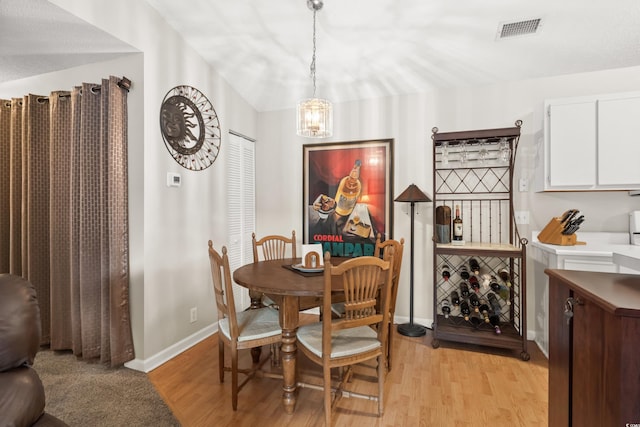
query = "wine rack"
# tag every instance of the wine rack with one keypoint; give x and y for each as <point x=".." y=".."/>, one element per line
<point x="474" y="169"/>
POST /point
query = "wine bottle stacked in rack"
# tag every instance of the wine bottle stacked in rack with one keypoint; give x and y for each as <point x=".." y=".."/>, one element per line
<point x="475" y="293"/>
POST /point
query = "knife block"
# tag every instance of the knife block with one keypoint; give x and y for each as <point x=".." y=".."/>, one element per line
<point x="552" y="234"/>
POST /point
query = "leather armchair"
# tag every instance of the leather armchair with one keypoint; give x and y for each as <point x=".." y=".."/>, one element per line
<point x="22" y="398"/>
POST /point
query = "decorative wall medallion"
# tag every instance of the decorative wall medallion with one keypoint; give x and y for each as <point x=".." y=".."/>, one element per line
<point x="190" y="128"/>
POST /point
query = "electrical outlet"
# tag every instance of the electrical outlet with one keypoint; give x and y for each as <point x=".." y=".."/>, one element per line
<point x="194" y="314"/>
<point x="522" y="217"/>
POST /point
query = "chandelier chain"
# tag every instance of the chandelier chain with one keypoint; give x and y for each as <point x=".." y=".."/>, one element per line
<point x="313" y="58"/>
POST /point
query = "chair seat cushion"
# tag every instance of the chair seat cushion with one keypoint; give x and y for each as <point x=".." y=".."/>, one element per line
<point x="253" y="324"/>
<point x="344" y="342"/>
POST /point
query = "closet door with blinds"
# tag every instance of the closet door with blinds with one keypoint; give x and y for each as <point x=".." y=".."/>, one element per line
<point x="241" y="216"/>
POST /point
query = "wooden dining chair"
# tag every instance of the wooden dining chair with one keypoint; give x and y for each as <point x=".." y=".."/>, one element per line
<point x="270" y="248"/>
<point x="379" y="251"/>
<point x="238" y="330"/>
<point x="361" y="334"/>
<point x="273" y="246"/>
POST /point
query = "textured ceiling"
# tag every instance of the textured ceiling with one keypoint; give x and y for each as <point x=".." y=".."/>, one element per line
<point x="371" y="48"/>
<point x="365" y="49"/>
<point x="37" y="37"/>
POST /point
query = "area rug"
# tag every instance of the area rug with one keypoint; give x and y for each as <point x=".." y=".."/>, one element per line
<point x="82" y="393"/>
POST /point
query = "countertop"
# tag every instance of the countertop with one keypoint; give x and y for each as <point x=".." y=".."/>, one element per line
<point x="614" y="245"/>
<point x="628" y="257"/>
<point x="596" y="244"/>
<point x="616" y="293"/>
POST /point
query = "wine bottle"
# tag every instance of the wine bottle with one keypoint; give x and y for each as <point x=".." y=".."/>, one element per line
<point x="495" y="286"/>
<point x="446" y="308"/>
<point x="457" y="225"/>
<point x="474" y="266"/>
<point x="464" y="274"/>
<point x="505" y="276"/>
<point x="464" y="289"/>
<point x="473" y="281"/>
<point x="494" y="319"/>
<point x="445" y="273"/>
<point x="348" y="191"/>
<point x="455" y="298"/>
<point x="474" y="301"/>
<point x="475" y="319"/>
<point x="501" y="290"/>
<point x="495" y="305"/>
<point x="495" y="322"/>
<point x="464" y="309"/>
<point x="484" y="310"/>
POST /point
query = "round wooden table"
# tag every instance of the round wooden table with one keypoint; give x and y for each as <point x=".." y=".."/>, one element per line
<point x="286" y="287"/>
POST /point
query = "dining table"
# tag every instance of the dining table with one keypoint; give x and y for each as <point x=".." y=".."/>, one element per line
<point x="287" y="287"/>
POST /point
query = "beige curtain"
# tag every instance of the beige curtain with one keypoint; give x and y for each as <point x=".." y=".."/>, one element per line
<point x="65" y="216"/>
<point x="5" y="163"/>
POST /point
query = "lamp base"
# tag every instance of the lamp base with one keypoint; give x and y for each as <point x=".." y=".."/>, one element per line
<point x="411" y="330"/>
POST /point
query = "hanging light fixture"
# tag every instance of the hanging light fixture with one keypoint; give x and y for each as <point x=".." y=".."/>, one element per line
<point x="314" y="115"/>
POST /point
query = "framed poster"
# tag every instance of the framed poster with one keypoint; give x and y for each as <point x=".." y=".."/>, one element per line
<point x="347" y="195"/>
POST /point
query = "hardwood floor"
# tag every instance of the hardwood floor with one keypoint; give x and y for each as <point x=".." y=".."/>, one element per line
<point x="454" y="385"/>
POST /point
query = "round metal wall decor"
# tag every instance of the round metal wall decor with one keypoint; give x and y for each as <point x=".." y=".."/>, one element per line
<point x="190" y="128"/>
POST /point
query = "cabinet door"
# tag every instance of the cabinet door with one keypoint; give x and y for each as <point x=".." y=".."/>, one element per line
<point x="619" y="142"/>
<point x="559" y="355"/>
<point x="587" y="401"/>
<point x="571" y="145"/>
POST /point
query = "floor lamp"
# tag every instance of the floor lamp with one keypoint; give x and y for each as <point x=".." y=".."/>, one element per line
<point x="412" y="195"/>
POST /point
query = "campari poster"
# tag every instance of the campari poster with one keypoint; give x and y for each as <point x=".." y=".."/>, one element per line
<point x="347" y="195"/>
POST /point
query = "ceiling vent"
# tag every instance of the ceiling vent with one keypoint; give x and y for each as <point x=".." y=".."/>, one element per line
<point x="521" y="28"/>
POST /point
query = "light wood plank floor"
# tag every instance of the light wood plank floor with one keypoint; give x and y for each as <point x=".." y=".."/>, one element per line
<point x="454" y="385"/>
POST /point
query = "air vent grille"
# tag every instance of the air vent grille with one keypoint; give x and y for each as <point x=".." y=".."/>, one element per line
<point x="521" y="28"/>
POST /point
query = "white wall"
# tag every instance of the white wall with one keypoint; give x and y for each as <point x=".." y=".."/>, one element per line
<point x="409" y="120"/>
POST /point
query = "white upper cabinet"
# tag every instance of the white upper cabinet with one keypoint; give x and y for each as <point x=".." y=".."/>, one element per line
<point x="572" y="145"/>
<point x="591" y="143"/>
<point x="619" y="142"/>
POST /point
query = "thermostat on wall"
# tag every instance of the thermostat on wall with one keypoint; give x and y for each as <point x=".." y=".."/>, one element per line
<point x="173" y="179"/>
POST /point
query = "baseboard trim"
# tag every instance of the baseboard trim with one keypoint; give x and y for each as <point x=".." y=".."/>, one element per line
<point x="399" y="320"/>
<point x="147" y="365"/>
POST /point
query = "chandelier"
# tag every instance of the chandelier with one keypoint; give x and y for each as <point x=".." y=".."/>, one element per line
<point x="314" y="115"/>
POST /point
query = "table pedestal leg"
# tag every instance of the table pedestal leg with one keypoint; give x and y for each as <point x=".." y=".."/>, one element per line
<point x="289" y="317"/>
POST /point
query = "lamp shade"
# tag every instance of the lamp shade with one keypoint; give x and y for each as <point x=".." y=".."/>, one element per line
<point x="412" y="194"/>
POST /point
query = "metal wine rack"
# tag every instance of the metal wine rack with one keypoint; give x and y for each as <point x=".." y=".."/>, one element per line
<point x="474" y="170"/>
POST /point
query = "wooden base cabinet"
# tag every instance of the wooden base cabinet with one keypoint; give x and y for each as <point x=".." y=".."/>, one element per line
<point x="594" y="349"/>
